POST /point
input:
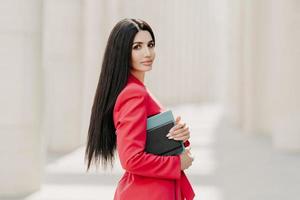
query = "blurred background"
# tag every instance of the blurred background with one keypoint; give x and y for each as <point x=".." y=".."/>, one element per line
<point x="229" y="68"/>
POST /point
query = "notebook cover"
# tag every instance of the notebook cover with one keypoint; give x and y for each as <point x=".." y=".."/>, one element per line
<point x="158" y="127"/>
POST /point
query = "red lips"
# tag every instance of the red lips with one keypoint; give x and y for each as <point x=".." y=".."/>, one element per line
<point x="148" y="62"/>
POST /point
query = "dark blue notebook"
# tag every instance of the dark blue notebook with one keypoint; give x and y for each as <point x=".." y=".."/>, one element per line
<point x="158" y="127"/>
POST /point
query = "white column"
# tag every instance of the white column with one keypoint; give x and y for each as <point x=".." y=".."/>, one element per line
<point x="285" y="61"/>
<point x="62" y="62"/>
<point x="248" y="65"/>
<point x="21" y="154"/>
<point x="233" y="89"/>
<point x="254" y="73"/>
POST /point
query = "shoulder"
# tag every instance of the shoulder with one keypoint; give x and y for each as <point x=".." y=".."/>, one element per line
<point x="133" y="89"/>
<point x="131" y="92"/>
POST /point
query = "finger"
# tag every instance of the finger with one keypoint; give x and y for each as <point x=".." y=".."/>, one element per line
<point x="187" y="151"/>
<point x="179" y="133"/>
<point x="188" y="148"/>
<point x="181" y="125"/>
<point x="178" y="118"/>
<point x="179" y="130"/>
<point x="192" y="157"/>
<point x="184" y="135"/>
<point x="176" y="127"/>
<point x="178" y="139"/>
<point x="182" y="138"/>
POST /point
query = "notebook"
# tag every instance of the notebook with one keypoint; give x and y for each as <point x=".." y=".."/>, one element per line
<point x="158" y="127"/>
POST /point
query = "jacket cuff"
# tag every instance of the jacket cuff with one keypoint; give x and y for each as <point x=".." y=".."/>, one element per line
<point x="186" y="143"/>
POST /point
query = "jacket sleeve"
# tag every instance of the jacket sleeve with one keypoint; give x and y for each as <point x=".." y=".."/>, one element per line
<point x="130" y="118"/>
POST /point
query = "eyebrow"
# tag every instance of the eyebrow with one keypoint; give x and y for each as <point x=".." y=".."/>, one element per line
<point x="142" y="42"/>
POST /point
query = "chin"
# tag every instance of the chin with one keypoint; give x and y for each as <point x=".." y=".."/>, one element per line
<point x="145" y="68"/>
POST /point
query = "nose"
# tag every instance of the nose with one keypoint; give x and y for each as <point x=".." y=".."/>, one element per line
<point x="146" y="52"/>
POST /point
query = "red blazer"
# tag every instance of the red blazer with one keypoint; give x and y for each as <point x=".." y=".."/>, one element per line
<point x="147" y="176"/>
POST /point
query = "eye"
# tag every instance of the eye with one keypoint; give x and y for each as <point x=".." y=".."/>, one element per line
<point x="151" y="44"/>
<point x="137" y="46"/>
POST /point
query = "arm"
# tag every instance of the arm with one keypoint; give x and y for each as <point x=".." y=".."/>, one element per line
<point x="130" y="121"/>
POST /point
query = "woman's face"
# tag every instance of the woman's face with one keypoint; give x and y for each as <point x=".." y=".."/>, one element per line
<point x="142" y="52"/>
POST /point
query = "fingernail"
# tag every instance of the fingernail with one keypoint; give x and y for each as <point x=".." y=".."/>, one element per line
<point x="168" y="135"/>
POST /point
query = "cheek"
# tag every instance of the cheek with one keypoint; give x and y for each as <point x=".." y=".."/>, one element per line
<point x="152" y="52"/>
<point x="134" y="58"/>
<point x="135" y="55"/>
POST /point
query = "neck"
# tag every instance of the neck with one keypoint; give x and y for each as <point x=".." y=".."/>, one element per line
<point x="138" y="75"/>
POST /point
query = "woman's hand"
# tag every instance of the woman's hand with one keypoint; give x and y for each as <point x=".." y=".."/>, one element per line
<point x="180" y="131"/>
<point x="186" y="158"/>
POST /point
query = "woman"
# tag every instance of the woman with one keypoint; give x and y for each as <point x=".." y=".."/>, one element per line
<point x="118" y="120"/>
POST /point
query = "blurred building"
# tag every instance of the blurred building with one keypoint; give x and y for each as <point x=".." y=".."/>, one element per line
<point x="242" y="55"/>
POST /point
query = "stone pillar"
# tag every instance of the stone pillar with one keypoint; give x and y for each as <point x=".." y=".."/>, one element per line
<point x="254" y="71"/>
<point x="21" y="141"/>
<point x="249" y="46"/>
<point x="62" y="62"/>
<point x="285" y="61"/>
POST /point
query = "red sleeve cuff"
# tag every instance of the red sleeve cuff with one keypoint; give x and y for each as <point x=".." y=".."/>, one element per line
<point x="186" y="143"/>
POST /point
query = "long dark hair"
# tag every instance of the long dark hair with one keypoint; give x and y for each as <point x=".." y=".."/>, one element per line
<point x="101" y="141"/>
